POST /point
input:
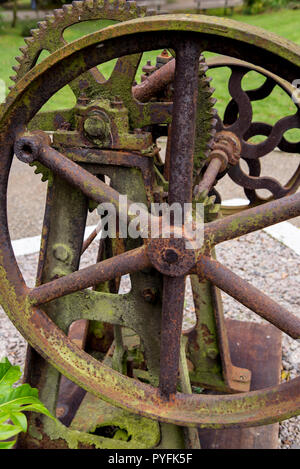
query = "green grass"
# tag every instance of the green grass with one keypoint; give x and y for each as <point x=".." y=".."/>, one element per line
<point x="284" y="23"/>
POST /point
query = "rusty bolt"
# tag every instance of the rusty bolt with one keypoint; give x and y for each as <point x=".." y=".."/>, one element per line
<point x="170" y="256"/>
<point x="163" y="58"/>
<point x="60" y="253"/>
<point x="149" y="68"/>
<point x="150" y="295"/>
<point x="95" y="126"/>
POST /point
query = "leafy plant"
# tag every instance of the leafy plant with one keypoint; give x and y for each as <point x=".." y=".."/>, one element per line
<point x="13" y="402"/>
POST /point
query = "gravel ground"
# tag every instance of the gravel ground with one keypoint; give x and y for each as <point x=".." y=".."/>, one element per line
<point x="278" y="275"/>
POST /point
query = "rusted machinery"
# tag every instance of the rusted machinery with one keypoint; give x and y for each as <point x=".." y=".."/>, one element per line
<point x="148" y="385"/>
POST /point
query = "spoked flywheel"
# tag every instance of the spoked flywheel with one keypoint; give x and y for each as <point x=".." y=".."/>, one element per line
<point x="100" y="141"/>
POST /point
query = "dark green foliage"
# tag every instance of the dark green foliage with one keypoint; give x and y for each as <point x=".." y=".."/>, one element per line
<point x="252" y="7"/>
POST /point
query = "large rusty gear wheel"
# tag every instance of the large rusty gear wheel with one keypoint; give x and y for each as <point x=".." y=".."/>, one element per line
<point x="49" y="36"/>
<point x="169" y="257"/>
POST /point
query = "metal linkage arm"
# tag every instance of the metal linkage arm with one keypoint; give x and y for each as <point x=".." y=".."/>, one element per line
<point x="36" y="147"/>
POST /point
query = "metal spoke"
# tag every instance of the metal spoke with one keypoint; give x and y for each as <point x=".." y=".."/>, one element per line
<point x="180" y="191"/>
<point x="251" y="220"/>
<point x="249" y="296"/>
<point x="240" y="97"/>
<point x="155" y="83"/>
<point x="171" y="326"/>
<point x="127" y="263"/>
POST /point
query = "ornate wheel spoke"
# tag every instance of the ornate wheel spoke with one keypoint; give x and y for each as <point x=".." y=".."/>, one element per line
<point x="242" y="102"/>
<point x="129" y="262"/>
<point x="274" y="138"/>
<point x="249" y="296"/>
<point x="232" y="110"/>
<point x="238" y="109"/>
<point x="251" y="182"/>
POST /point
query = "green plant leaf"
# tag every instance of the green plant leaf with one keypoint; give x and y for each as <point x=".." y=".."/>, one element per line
<point x="20" y="420"/>
<point x="8" y="374"/>
<point x="15" y="401"/>
<point x="7" y="431"/>
<point x="7" y="444"/>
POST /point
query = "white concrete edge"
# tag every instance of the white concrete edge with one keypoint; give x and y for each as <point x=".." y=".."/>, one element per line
<point x="284" y="232"/>
<point x="25" y="246"/>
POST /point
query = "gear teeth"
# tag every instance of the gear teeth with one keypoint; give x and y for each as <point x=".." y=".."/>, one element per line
<point x="42" y="24"/>
<point x="28" y="41"/>
<point x="89" y="4"/>
<point x="69" y="14"/>
<point x="23" y="49"/>
<point x="16" y="68"/>
<point x="67" y="9"/>
<point x="77" y="4"/>
<point x="50" y="19"/>
<point x="58" y="13"/>
<point x="13" y="78"/>
<point x="207" y="80"/>
<point x="35" y="33"/>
